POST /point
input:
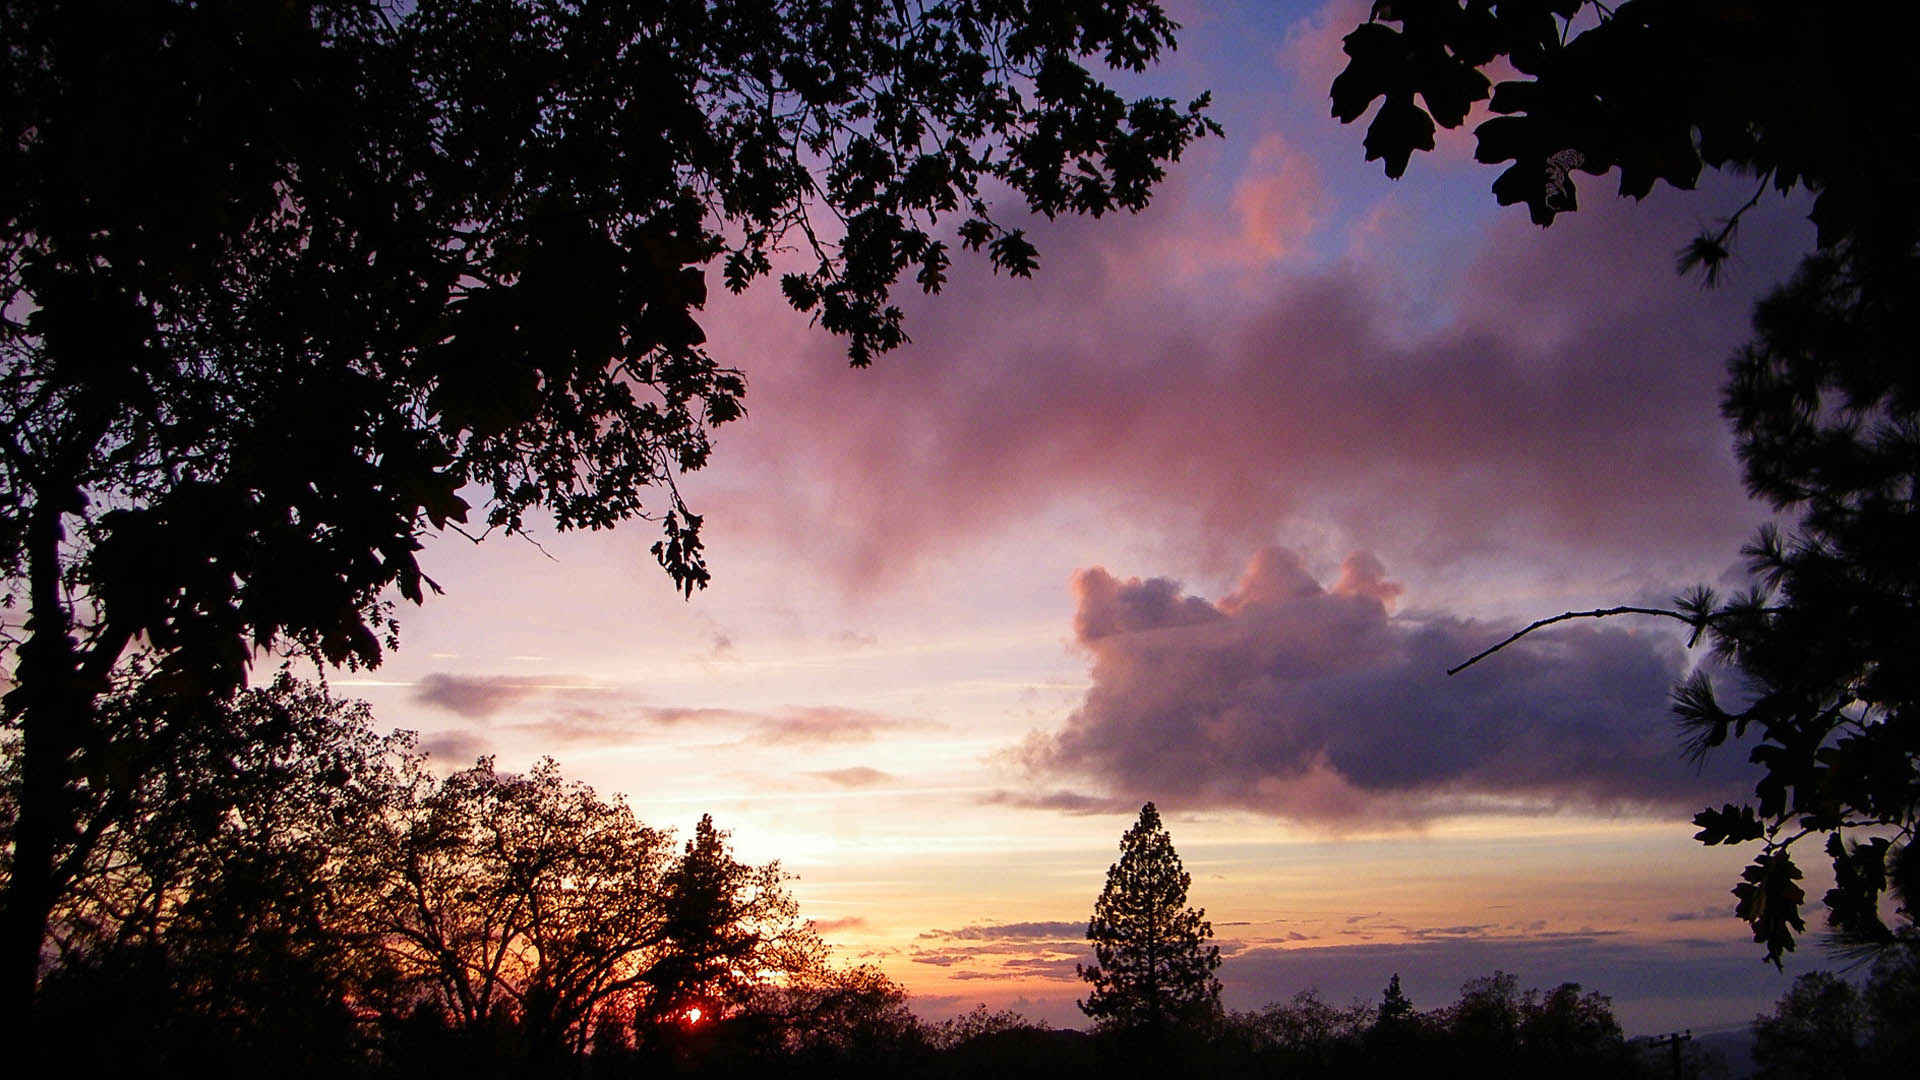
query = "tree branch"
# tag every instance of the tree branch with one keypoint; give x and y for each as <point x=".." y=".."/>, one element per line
<point x="1597" y="613"/>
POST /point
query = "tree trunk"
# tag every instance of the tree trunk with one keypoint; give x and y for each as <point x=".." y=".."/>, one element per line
<point x="49" y="702"/>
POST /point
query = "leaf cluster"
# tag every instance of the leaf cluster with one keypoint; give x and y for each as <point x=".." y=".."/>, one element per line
<point x="1798" y="95"/>
<point x="1824" y="402"/>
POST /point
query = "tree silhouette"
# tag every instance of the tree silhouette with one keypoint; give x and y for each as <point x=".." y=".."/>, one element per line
<point x="1396" y="1040"/>
<point x="1302" y="1036"/>
<point x="1813" y="1033"/>
<point x="728" y="927"/>
<point x="1824" y="402"/>
<point x="1395" y="1010"/>
<point x="211" y="928"/>
<point x="519" y="896"/>
<point x="1153" y="970"/>
<point x="280" y="282"/>
<point x="1825" y="1025"/>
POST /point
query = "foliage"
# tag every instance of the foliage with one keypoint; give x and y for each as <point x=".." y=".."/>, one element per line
<point x="1656" y="89"/>
<point x="727" y="928"/>
<point x="1824" y="402"/>
<point x="288" y="889"/>
<point x="529" y="898"/>
<point x="525" y="896"/>
<point x="823" y="1021"/>
<point x="1825" y="1025"/>
<point x="1814" y="1032"/>
<point x="1300" y="1036"/>
<point x="978" y="1023"/>
<point x="209" y="929"/>
<point x="1395" y="1010"/>
<point x="1153" y="970"/>
<point x="282" y="286"/>
<point x="1493" y="1029"/>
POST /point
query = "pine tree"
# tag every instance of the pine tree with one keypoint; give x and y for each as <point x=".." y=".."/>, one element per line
<point x="1155" y="969"/>
<point x="1393" y="1043"/>
<point x="1396" y="1011"/>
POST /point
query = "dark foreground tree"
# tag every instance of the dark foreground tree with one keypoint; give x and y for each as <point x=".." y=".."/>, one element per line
<point x="290" y="892"/>
<point x="1828" y="1026"/>
<point x="213" y="928"/>
<point x="1153" y="970"/>
<point x="727" y="928"/>
<point x="1824" y="403"/>
<point x="282" y="285"/>
<point x="1814" y="1032"/>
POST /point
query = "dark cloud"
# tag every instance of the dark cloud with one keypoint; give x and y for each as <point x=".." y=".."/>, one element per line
<point x="1444" y="933"/>
<point x="1041" y="949"/>
<point x="478" y="697"/>
<point x="1699" y="914"/>
<point x="855" y="777"/>
<point x="1318" y="704"/>
<point x="1067" y="802"/>
<point x="1700" y="982"/>
<point x="793" y="724"/>
<point x="572" y="725"/>
<point x="672" y="715"/>
<point x="1059" y="968"/>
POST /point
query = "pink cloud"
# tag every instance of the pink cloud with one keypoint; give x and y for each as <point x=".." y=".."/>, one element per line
<point x="1278" y="199"/>
<point x="1312" y="53"/>
<point x="1557" y="393"/>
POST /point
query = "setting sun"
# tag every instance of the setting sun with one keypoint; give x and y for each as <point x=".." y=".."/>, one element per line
<point x="693" y="1015"/>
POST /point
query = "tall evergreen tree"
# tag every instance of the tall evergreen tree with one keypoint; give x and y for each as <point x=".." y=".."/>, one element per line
<point x="1155" y="969"/>
<point x="1396" y="1009"/>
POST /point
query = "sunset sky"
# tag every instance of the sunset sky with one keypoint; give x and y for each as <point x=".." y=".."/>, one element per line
<point x="1200" y="514"/>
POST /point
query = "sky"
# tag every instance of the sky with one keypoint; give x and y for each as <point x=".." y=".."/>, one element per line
<point x="1200" y="514"/>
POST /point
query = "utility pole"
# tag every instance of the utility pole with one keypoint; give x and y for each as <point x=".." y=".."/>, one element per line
<point x="1674" y="1039"/>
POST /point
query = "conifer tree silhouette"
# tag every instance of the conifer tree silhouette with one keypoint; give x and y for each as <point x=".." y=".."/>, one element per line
<point x="1154" y="970"/>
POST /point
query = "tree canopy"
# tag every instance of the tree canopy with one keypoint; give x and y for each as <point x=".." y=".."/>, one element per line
<point x="290" y="889"/>
<point x="1824" y="402"/>
<point x="1827" y="1025"/>
<point x="1153" y="969"/>
<point x="284" y="286"/>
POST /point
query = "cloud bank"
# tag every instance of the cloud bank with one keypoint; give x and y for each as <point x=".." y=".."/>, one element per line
<point x="1318" y="704"/>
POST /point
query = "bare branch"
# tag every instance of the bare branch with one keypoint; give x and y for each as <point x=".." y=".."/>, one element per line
<point x="1596" y="613"/>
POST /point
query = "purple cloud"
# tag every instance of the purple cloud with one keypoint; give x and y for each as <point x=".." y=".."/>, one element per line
<point x="1317" y="704"/>
<point x="477" y="697"/>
